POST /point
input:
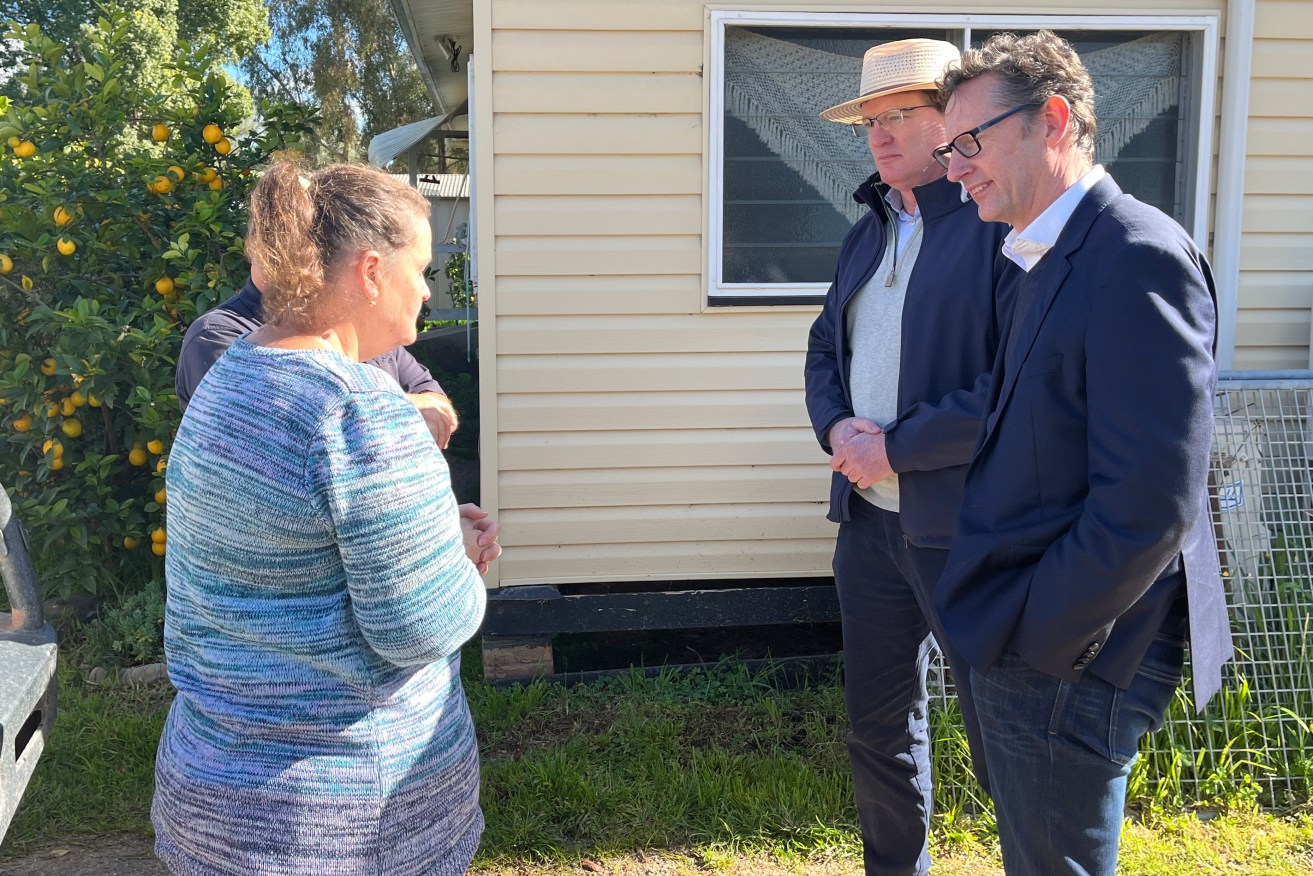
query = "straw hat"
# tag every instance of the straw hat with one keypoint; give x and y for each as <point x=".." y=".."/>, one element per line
<point x="904" y="65"/>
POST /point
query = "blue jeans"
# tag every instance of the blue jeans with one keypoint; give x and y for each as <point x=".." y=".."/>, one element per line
<point x="886" y="606"/>
<point x="1059" y="755"/>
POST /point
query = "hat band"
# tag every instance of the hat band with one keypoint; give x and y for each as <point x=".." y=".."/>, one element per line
<point x="907" y="84"/>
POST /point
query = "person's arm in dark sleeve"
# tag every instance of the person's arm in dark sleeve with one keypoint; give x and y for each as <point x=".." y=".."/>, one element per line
<point x="414" y="377"/>
<point x="206" y="340"/>
<point x="929" y="436"/>
<point x="932" y="435"/>
<point x="827" y="403"/>
<point x="425" y="393"/>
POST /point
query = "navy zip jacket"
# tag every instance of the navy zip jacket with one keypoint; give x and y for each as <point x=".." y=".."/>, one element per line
<point x="952" y="324"/>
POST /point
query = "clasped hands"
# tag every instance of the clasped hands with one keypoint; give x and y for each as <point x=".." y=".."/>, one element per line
<point x="859" y="452"/>
<point x="479" y="534"/>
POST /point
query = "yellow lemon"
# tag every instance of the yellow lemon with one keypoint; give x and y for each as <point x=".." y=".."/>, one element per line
<point x="23" y="423"/>
<point x="162" y="185"/>
<point x="56" y="464"/>
<point x="48" y="366"/>
<point x="156" y="446"/>
<point x="158" y="549"/>
<point x="208" y="175"/>
<point x="216" y="184"/>
<point x="67" y="408"/>
<point x="25" y="149"/>
<point x="212" y="133"/>
<point x="137" y="456"/>
<point x="65" y="246"/>
<point x="224" y="146"/>
<point x="164" y="285"/>
<point x="178" y="172"/>
<point x="63" y="217"/>
<point x="6" y="264"/>
<point x="52" y="411"/>
<point x="78" y="399"/>
<point x="72" y="428"/>
<point x="93" y="401"/>
<point x="160" y="132"/>
<point x="158" y="535"/>
<point x="131" y="543"/>
<point x="14" y="140"/>
<point x="161" y="494"/>
<point x="54" y="446"/>
<point x="161" y="465"/>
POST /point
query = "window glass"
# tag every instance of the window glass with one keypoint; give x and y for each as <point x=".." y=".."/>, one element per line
<point x="787" y="176"/>
<point x="1139" y="83"/>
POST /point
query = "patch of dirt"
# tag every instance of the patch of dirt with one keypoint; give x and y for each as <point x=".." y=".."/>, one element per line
<point x="121" y="854"/>
<point x="679" y="864"/>
<point x="671" y="864"/>
<point x="113" y="854"/>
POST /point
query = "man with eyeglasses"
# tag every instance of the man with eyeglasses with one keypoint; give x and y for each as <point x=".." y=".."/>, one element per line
<point x="1084" y="554"/>
<point x="908" y="331"/>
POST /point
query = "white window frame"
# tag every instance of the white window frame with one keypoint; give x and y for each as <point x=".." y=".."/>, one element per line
<point x="1205" y="72"/>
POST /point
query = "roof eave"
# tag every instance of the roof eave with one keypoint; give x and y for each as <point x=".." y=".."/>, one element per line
<point x="423" y="23"/>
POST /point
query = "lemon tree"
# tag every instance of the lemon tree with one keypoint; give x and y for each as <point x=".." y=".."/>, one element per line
<point x="121" y="215"/>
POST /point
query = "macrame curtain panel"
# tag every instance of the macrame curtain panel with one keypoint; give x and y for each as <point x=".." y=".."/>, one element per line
<point x="777" y="88"/>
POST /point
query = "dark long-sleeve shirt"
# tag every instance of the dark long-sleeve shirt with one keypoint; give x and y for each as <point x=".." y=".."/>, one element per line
<point x="214" y="332"/>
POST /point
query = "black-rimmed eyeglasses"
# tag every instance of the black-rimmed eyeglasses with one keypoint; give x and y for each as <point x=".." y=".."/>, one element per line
<point x="886" y="121"/>
<point x="967" y="144"/>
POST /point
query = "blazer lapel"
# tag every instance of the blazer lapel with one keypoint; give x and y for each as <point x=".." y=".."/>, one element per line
<point x="1053" y="272"/>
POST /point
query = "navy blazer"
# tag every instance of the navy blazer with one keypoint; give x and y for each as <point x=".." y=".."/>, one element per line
<point x="951" y="326"/>
<point x="1089" y="480"/>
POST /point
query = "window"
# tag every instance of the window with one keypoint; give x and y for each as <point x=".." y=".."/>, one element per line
<point x="782" y="178"/>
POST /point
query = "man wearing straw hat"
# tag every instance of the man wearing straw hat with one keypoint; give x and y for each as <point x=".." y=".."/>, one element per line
<point x="896" y="367"/>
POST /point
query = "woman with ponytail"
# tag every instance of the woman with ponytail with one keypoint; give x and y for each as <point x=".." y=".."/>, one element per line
<point x="320" y="580"/>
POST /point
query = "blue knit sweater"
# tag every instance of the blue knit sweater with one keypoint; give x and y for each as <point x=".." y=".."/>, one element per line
<point x="318" y="595"/>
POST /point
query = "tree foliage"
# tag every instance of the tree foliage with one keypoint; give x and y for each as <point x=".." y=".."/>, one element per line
<point x="347" y="56"/>
<point x="234" y="27"/>
<point x="122" y="203"/>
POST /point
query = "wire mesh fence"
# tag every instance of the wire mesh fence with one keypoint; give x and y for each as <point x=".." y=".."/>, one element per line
<point x="1255" y="739"/>
<point x="1257" y="731"/>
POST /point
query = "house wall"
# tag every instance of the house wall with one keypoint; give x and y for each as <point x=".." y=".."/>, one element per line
<point x="631" y="433"/>
<point x="1276" y="256"/>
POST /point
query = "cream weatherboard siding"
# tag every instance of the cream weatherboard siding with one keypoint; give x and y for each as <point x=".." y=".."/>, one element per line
<point x="639" y="436"/>
<point x="1276" y="256"/>
<point x="629" y="431"/>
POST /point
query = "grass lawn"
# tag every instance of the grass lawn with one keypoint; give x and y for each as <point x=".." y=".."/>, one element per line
<point x="708" y="772"/>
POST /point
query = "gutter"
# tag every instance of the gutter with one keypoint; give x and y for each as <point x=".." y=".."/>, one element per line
<point x="401" y="8"/>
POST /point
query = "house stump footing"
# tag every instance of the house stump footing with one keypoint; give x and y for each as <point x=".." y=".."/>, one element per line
<point x="517" y="658"/>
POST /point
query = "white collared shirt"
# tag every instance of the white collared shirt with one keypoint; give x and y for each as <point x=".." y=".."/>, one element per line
<point x="1026" y="248"/>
